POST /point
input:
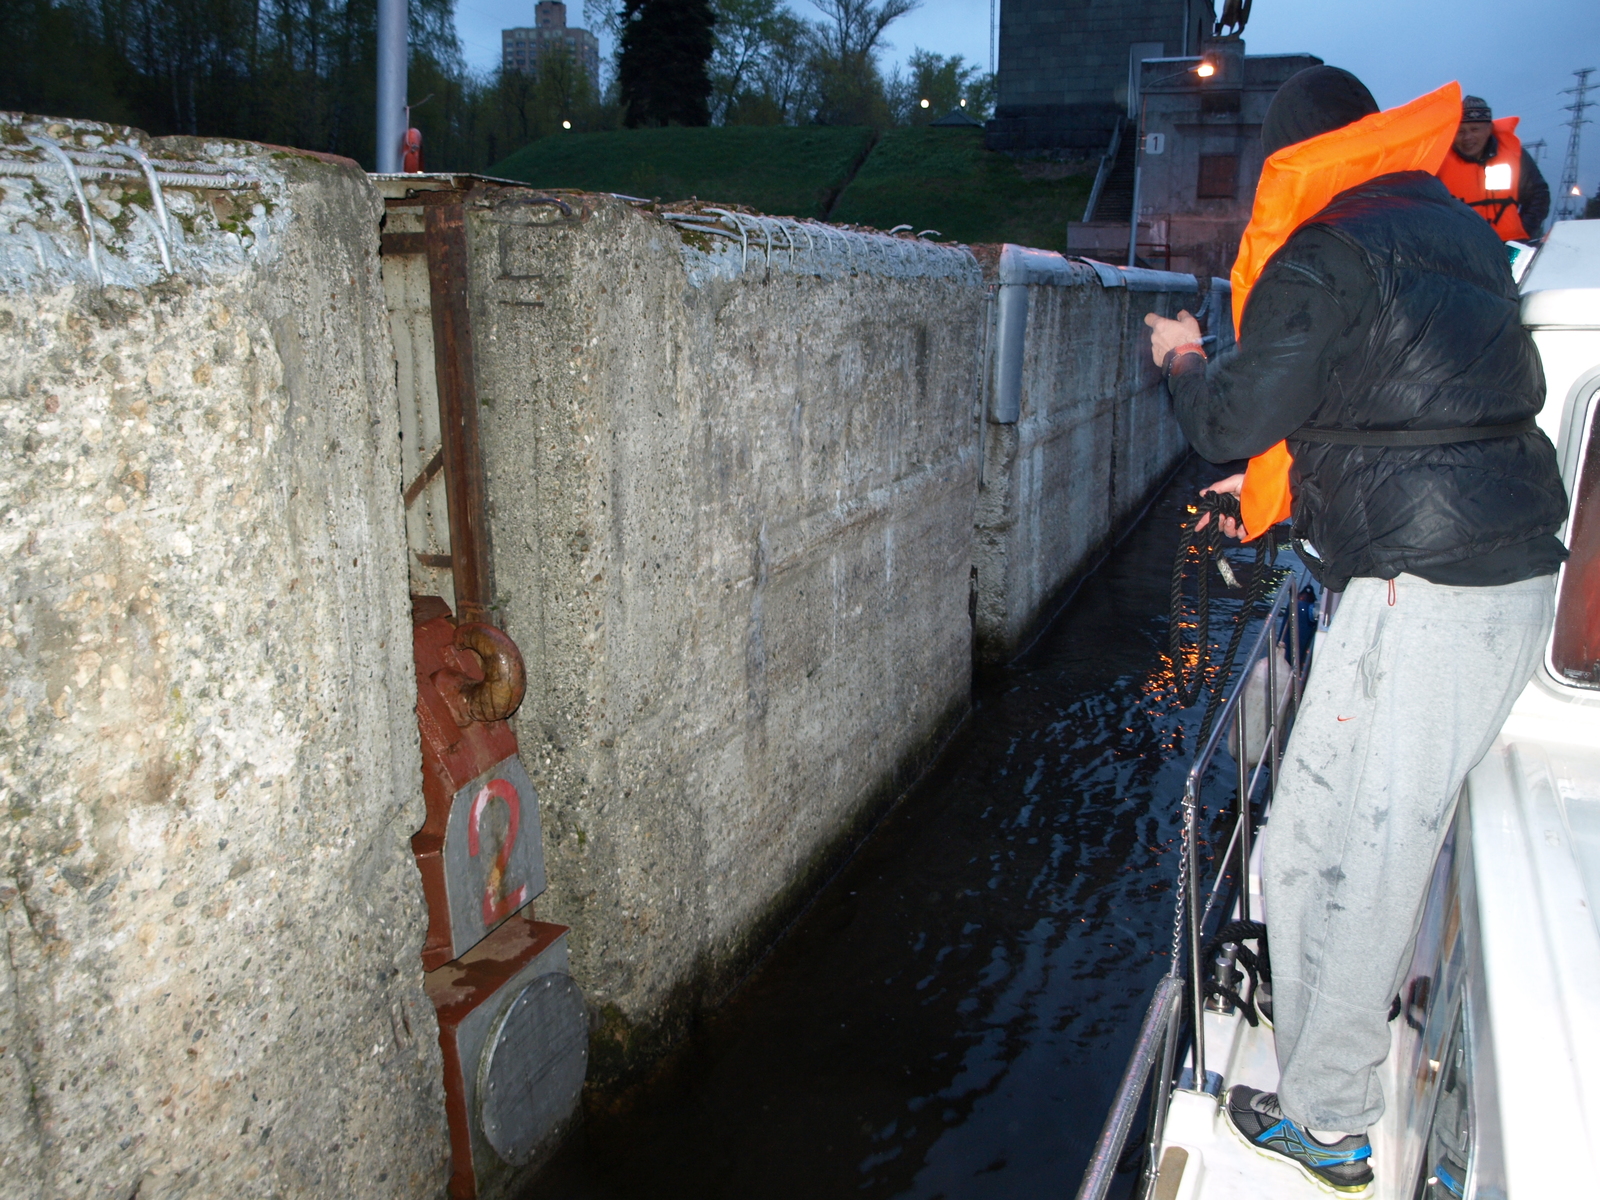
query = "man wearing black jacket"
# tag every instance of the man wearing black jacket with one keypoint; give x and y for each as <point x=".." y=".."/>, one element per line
<point x="1382" y="341"/>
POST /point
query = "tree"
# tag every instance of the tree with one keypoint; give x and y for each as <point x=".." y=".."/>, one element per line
<point x="858" y="25"/>
<point x="760" y="50"/>
<point x="292" y="72"/>
<point x="661" y="66"/>
<point x="944" y="83"/>
<point x="849" y="86"/>
<point x="783" y="80"/>
<point x="517" y="107"/>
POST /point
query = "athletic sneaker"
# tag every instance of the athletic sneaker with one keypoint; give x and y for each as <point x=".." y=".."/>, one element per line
<point x="1343" y="1166"/>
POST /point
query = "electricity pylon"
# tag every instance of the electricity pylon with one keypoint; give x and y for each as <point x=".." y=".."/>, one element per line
<point x="1569" y="202"/>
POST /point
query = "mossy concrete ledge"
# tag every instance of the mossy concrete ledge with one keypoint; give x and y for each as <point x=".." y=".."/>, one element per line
<point x="208" y="755"/>
<point x="731" y="515"/>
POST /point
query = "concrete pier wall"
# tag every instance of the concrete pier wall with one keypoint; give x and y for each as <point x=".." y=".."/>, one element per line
<point x="737" y="529"/>
<point x="1080" y="429"/>
<point x="732" y="499"/>
<point x="208" y="751"/>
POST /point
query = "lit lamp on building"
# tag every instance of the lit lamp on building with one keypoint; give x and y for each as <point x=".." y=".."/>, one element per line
<point x="1205" y="69"/>
<point x="1190" y="133"/>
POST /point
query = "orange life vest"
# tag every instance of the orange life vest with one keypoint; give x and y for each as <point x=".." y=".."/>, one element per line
<point x="1298" y="182"/>
<point x="1468" y="181"/>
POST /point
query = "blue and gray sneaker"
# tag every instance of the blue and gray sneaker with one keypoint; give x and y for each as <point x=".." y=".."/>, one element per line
<point x="1343" y="1166"/>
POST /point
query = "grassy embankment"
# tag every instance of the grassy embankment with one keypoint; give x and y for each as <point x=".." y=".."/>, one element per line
<point x="785" y="170"/>
<point x="927" y="178"/>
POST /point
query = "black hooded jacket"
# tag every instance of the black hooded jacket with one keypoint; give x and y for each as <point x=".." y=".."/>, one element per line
<point x="1391" y="309"/>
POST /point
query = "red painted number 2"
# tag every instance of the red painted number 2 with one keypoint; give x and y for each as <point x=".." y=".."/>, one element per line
<point x="497" y="907"/>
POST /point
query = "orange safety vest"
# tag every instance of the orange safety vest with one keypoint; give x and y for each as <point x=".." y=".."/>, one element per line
<point x="1297" y="183"/>
<point x="1468" y="181"/>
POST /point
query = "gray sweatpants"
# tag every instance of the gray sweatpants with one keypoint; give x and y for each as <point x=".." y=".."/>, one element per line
<point x="1402" y="701"/>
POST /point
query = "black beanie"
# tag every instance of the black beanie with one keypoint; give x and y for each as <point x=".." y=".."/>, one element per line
<point x="1315" y="101"/>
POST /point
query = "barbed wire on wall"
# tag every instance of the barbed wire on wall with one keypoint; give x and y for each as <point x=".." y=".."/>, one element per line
<point x="123" y="243"/>
<point x="736" y="242"/>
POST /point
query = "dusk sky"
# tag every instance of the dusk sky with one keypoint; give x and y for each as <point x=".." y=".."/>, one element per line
<point x="1400" y="48"/>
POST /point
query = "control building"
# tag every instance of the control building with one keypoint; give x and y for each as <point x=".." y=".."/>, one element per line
<point x="1187" y="154"/>
<point x="522" y="49"/>
<point x="1064" y="68"/>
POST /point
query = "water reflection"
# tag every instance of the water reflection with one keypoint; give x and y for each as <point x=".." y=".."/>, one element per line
<point x="951" y="1016"/>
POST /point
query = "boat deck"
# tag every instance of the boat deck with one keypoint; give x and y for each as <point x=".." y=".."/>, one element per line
<point x="1534" y="821"/>
<point x="1217" y="1162"/>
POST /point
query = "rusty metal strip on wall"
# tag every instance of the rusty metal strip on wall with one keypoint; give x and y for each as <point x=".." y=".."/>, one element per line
<point x="512" y="1025"/>
<point x="445" y="238"/>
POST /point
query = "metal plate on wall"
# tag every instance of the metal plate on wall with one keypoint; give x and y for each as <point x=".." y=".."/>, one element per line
<point x="493" y="852"/>
<point x="533" y="1066"/>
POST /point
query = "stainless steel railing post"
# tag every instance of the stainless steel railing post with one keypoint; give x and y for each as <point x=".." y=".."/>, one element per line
<point x="1191" y="818"/>
<point x="1244" y="819"/>
<point x="1162" y="1100"/>
<point x="1272" y="693"/>
<point x="1156" y="1028"/>
<point x="1296" y="675"/>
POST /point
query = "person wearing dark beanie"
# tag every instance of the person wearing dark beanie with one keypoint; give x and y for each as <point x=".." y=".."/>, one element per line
<point x="1382" y="370"/>
<point x="1490" y="171"/>
<point x="1312" y="102"/>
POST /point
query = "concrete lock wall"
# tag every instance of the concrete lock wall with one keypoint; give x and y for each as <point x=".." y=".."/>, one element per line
<point x="737" y="529"/>
<point x="732" y="480"/>
<point x="208" y="754"/>
<point x="1080" y="432"/>
<point x="739" y="533"/>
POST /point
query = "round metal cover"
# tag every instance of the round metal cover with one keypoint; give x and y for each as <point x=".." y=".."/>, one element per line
<point x="533" y="1066"/>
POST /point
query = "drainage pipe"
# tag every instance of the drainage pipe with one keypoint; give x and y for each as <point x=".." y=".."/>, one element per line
<point x="1012" y="322"/>
<point x="1022" y="267"/>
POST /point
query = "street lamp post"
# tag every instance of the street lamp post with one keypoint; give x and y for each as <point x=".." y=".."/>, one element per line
<point x="392" y="36"/>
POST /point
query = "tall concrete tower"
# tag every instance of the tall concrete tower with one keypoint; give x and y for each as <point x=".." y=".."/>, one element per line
<point x="1065" y="64"/>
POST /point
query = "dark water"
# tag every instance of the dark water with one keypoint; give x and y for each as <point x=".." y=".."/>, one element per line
<point x="950" y="1018"/>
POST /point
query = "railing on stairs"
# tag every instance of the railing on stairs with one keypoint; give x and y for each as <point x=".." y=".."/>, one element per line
<point x="1157" y="1050"/>
<point x="1108" y="162"/>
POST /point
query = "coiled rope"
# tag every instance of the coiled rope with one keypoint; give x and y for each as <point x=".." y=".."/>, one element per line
<point x="1204" y="546"/>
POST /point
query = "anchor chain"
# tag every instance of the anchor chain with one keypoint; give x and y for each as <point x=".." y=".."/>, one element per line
<point x="1178" y="908"/>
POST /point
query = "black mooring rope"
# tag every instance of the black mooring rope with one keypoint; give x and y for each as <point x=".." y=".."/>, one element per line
<point x="1255" y="964"/>
<point x="1204" y="546"/>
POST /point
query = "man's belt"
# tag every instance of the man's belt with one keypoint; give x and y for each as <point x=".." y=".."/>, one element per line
<point x="1413" y="437"/>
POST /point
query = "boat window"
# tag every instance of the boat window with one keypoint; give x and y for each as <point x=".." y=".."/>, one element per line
<point x="1447" y="1155"/>
<point x="1575" y="647"/>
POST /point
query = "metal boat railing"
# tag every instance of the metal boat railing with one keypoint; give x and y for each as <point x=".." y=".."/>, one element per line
<point x="1156" y="1051"/>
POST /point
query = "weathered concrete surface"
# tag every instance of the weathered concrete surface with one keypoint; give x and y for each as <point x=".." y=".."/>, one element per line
<point x="208" y="759"/>
<point x="732" y="522"/>
<point x="1094" y="437"/>
<point x="734" y="488"/>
